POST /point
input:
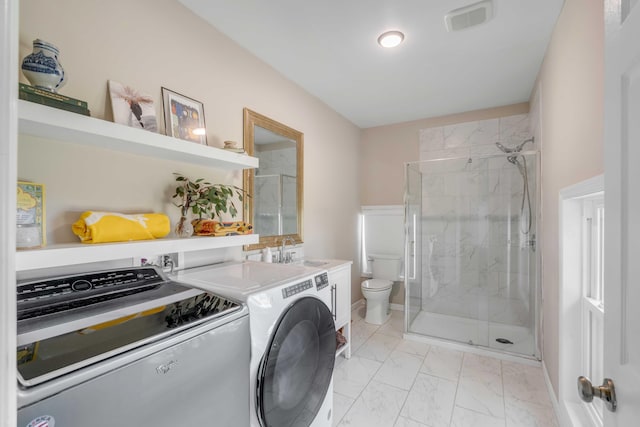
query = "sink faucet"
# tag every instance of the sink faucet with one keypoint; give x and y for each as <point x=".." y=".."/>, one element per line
<point x="286" y="258"/>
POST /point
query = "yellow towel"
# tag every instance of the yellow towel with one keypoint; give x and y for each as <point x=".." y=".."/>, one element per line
<point x="103" y="227"/>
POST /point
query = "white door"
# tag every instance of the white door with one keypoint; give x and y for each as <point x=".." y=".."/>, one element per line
<point x="622" y="207"/>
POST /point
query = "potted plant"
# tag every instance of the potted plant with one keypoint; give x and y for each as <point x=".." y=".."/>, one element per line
<point x="203" y="199"/>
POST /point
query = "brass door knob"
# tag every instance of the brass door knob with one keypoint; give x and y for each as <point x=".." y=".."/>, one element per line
<point x="606" y="392"/>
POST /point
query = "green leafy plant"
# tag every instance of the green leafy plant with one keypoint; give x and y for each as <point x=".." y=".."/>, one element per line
<point x="205" y="199"/>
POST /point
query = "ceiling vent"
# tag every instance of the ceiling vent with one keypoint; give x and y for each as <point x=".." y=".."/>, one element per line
<point x="469" y="16"/>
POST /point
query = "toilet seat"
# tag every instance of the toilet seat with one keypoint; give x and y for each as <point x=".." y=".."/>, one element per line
<point x="376" y="285"/>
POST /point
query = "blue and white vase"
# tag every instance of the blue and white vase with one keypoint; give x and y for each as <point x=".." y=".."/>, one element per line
<point x="42" y="67"/>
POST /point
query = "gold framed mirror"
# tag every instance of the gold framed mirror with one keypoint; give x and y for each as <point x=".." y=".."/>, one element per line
<point x="275" y="207"/>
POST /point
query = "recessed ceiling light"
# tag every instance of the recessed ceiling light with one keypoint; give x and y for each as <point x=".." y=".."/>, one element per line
<point x="390" y="39"/>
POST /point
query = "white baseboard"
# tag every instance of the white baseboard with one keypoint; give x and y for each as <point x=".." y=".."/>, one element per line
<point x="356" y="305"/>
<point x="361" y="302"/>
<point x="560" y="419"/>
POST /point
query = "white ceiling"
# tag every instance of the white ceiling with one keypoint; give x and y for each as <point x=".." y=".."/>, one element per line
<point x="329" y="48"/>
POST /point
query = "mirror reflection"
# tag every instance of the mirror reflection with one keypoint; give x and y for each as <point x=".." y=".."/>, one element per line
<point x="274" y="184"/>
<point x="275" y="208"/>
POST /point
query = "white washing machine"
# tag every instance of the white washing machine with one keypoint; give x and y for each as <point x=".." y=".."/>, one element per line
<point x="293" y="340"/>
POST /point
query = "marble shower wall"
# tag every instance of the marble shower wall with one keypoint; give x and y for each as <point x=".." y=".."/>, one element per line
<point x="474" y="138"/>
<point x="277" y="168"/>
<point x="476" y="260"/>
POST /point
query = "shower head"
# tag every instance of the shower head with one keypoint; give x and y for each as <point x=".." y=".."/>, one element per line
<point x="504" y="149"/>
<point x="516" y="149"/>
<point x="519" y="147"/>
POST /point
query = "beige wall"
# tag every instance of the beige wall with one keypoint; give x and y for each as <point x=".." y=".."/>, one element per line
<point x="152" y="43"/>
<point x="570" y="87"/>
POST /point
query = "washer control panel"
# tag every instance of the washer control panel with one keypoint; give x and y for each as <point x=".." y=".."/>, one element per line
<point x="322" y="281"/>
<point x="40" y="297"/>
<point x="297" y="288"/>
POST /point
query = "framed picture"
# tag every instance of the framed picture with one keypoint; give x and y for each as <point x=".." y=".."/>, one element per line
<point x="132" y="108"/>
<point x="183" y="117"/>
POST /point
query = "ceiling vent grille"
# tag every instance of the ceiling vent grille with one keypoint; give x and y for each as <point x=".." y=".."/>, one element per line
<point x="469" y="16"/>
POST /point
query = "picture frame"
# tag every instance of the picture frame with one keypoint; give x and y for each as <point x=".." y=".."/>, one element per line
<point x="132" y="108"/>
<point x="183" y="117"/>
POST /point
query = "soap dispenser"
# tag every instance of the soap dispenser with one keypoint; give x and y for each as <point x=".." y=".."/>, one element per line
<point x="266" y="255"/>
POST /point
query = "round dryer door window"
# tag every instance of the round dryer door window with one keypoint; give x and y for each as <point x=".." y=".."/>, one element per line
<point x="296" y="368"/>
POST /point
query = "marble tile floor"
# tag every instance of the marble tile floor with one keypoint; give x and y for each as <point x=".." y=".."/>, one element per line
<point x="393" y="382"/>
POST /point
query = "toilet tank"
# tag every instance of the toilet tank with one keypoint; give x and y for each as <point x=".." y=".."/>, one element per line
<point x="386" y="267"/>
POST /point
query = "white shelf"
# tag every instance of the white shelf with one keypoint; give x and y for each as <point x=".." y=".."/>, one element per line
<point x="69" y="254"/>
<point x="55" y="124"/>
<point x="51" y="123"/>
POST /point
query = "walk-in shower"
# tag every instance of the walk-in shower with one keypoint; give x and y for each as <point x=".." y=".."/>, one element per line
<point x="471" y="264"/>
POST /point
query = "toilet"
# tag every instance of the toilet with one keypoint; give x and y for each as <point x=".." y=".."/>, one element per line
<point x="376" y="291"/>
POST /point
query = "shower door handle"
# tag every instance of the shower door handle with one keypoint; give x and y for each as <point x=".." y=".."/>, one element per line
<point x="413" y="260"/>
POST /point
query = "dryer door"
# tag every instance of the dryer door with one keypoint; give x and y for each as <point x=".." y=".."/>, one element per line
<point x="297" y="366"/>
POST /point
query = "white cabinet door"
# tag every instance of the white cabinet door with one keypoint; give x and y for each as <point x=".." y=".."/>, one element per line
<point x="340" y="279"/>
<point x="340" y="282"/>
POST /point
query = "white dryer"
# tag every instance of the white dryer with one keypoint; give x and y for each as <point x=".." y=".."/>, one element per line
<point x="293" y="340"/>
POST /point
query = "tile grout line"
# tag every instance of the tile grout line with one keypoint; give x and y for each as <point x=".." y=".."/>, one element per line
<point x="360" y="393"/>
<point x="455" y="396"/>
<point x="415" y="378"/>
<point x="504" y="393"/>
<point x="372" y="376"/>
<point x="483" y="413"/>
<point x="345" y="412"/>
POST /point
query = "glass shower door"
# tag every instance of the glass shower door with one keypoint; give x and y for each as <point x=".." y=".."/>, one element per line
<point x="413" y="248"/>
<point x="449" y="198"/>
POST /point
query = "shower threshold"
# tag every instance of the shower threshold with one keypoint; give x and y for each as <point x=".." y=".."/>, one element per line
<point x="475" y="333"/>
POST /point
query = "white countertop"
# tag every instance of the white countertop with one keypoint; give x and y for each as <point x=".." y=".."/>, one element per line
<point x="241" y="279"/>
<point x="329" y="264"/>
